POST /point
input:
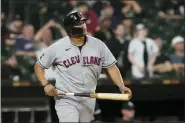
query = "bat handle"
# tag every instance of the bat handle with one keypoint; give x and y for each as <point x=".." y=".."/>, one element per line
<point x="82" y="94"/>
<point x="75" y="94"/>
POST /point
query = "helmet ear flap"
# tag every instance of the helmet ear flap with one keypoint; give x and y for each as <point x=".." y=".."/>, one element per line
<point x="69" y="31"/>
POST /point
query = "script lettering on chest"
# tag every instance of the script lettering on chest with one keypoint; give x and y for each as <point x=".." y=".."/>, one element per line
<point x="91" y="60"/>
<point x="71" y="61"/>
<point x="87" y="60"/>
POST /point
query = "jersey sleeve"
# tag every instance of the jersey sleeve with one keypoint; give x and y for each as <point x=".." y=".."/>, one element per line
<point x="47" y="57"/>
<point x="107" y="57"/>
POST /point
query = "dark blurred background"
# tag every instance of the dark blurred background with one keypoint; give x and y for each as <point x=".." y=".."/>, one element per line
<point x="30" y="26"/>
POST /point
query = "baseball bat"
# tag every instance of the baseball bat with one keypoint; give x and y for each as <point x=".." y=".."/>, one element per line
<point x="105" y="96"/>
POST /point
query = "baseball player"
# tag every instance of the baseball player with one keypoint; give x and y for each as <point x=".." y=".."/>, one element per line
<point x="78" y="59"/>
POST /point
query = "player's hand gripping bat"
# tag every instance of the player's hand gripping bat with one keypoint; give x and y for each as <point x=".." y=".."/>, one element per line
<point x="105" y="96"/>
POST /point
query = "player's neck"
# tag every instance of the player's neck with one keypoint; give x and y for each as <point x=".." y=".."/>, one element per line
<point x="77" y="40"/>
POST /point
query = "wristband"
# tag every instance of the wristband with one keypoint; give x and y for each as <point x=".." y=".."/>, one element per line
<point x="121" y="87"/>
<point x="46" y="84"/>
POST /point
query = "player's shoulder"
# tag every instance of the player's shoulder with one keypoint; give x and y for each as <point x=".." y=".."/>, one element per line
<point x="61" y="42"/>
<point x="94" y="40"/>
<point x="64" y="40"/>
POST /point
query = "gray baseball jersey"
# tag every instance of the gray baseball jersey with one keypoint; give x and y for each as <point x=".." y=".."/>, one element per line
<point x="77" y="72"/>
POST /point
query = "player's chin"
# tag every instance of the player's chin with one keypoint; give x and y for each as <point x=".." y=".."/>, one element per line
<point x="80" y="35"/>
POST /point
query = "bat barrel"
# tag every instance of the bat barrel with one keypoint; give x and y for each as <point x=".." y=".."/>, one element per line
<point x="113" y="96"/>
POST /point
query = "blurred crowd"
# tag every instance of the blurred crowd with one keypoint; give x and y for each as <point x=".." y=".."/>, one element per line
<point x="145" y="37"/>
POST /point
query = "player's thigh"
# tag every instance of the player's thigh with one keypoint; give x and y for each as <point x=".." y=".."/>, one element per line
<point x="86" y="110"/>
<point x="85" y="116"/>
<point x="66" y="112"/>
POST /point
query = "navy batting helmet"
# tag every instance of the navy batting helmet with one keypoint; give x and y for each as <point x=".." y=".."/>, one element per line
<point x="71" y="20"/>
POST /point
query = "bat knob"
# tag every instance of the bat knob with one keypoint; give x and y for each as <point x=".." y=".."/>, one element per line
<point x="61" y="93"/>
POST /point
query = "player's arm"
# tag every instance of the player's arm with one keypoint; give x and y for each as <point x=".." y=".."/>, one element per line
<point x="48" y="88"/>
<point x="45" y="61"/>
<point x="109" y="61"/>
<point x="115" y="75"/>
<point x="117" y="79"/>
<point x="39" y="72"/>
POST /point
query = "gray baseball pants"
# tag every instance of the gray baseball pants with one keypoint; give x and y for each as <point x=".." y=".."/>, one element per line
<point x="69" y="110"/>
